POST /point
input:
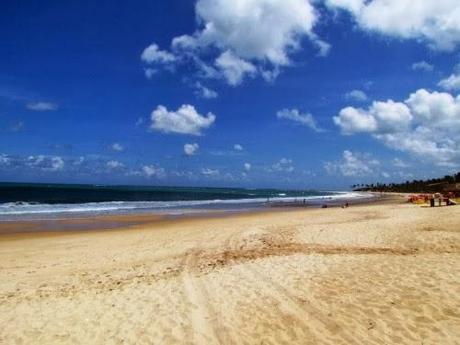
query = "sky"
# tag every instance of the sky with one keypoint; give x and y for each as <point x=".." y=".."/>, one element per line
<point x="245" y="93"/>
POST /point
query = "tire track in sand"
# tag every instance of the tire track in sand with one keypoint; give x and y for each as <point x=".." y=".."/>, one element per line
<point x="206" y="327"/>
<point x="302" y="311"/>
<point x="288" y="308"/>
<point x="313" y="317"/>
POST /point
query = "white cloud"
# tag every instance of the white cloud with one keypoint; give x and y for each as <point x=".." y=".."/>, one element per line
<point x="4" y="160"/>
<point x="247" y="166"/>
<point x="352" y="165"/>
<point x="355" y="120"/>
<point x="451" y="83"/>
<point x="385" y="174"/>
<point x="356" y="95"/>
<point x="191" y="149"/>
<point x="83" y="165"/>
<point x="238" y="147"/>
<point x="57" y="163"/>
<point x="42" y="106"/>
<point x="426" y="125"/>
<point x="210" y="172"/>
<point x="204" y="92"/>
<point x="233" y="68"/>
<point x="400" y="163"/>
<point x="296" y="116"/>
<point x="152" y="171"/>
<point x="283" y="165"/>
<point x="46" y="163"/>
<point x="115" y="165"/>
<point x="381" y="117"/>
<point x="184" y="43"/>
<point x="186" y="120"/>
<point x="323" y="47"/>
<point x="153" y="54"/>
<point x="422" y="66"/>
<point x="150" y="72"/>
<point x="248" y="36"/>
<point x="117" y="147"/>
<point x="264" y="30"/>
<point x="436" y="22"/>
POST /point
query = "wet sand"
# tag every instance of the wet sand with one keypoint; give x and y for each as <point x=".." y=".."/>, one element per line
<point x="386" y="273"/>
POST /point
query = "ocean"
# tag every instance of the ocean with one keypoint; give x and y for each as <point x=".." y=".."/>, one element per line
<point x="44" y="201"/>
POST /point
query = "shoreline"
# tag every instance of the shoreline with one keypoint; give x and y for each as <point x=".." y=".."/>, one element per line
<point x="30" y="210"/>
<point x="95" y="223"/>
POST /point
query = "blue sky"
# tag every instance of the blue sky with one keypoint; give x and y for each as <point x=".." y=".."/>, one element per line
<point x="253" y="93"/>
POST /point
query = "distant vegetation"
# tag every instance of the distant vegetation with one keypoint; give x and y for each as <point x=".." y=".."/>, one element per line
<point x="416" y="186"/>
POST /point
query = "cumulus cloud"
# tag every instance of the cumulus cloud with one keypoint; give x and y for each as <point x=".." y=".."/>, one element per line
<point x="426" y="125"/>
<point x="117" y="147"/>
<point x="152" y="171"/>
<point x="42" y="106"/>
<point x="380" y="117"/>
<point x="238" y="147"/>
<point x="433" y="21"/>
<point x="150" y="72"/>
<point x="204" y="92"/>
<point x="233" y="68"/>
<point x="295" y="115"/>
<point x="247" y="166"/>
<point x="422" y="66"/>
<point x="243" y="38"/>
<point x="385" y="174"/>
<point x="210" y="172"/>
<point x="153" y="54"/>
<point x="46" y="163"/>
<point x="283" y="165"/>
<point x="4" y="160"/>
<point x="88" y="165"/>
<point x="185" y="120"/>
<point x="352" y="165"/>
<point x="450" y="83"/>
<point x="32" y="163"/>
<point x="356" y="95"/>
<point x="400" y="163"/>
<point x="191" y="149"/>
<point x="256" y="29"/>
<point x="115" y="165"/>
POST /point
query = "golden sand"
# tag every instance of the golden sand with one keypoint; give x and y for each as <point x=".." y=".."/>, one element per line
<point x="369" y="274"/>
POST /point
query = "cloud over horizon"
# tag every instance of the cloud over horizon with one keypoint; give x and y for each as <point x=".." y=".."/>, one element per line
<point x="426" y="125"/>
<point x="352" y="164"/>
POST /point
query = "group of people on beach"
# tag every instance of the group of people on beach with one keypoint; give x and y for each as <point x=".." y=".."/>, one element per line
<point x="433" y="199"/>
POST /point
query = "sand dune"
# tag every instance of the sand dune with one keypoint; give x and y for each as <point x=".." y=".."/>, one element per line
<point x="370" y="274"/>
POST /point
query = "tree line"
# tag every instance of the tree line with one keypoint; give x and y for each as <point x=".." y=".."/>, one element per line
<point x="433" y="185"/>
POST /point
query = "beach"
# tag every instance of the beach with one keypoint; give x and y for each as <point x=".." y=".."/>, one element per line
<point x="376" y="273"/>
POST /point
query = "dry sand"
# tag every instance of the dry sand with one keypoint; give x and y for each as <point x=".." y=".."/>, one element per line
<point x="369" y="274"/>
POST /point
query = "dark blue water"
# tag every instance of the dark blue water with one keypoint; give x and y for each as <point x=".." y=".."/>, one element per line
<point x="25" y="201"/>
<point x="76" y="194"/>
